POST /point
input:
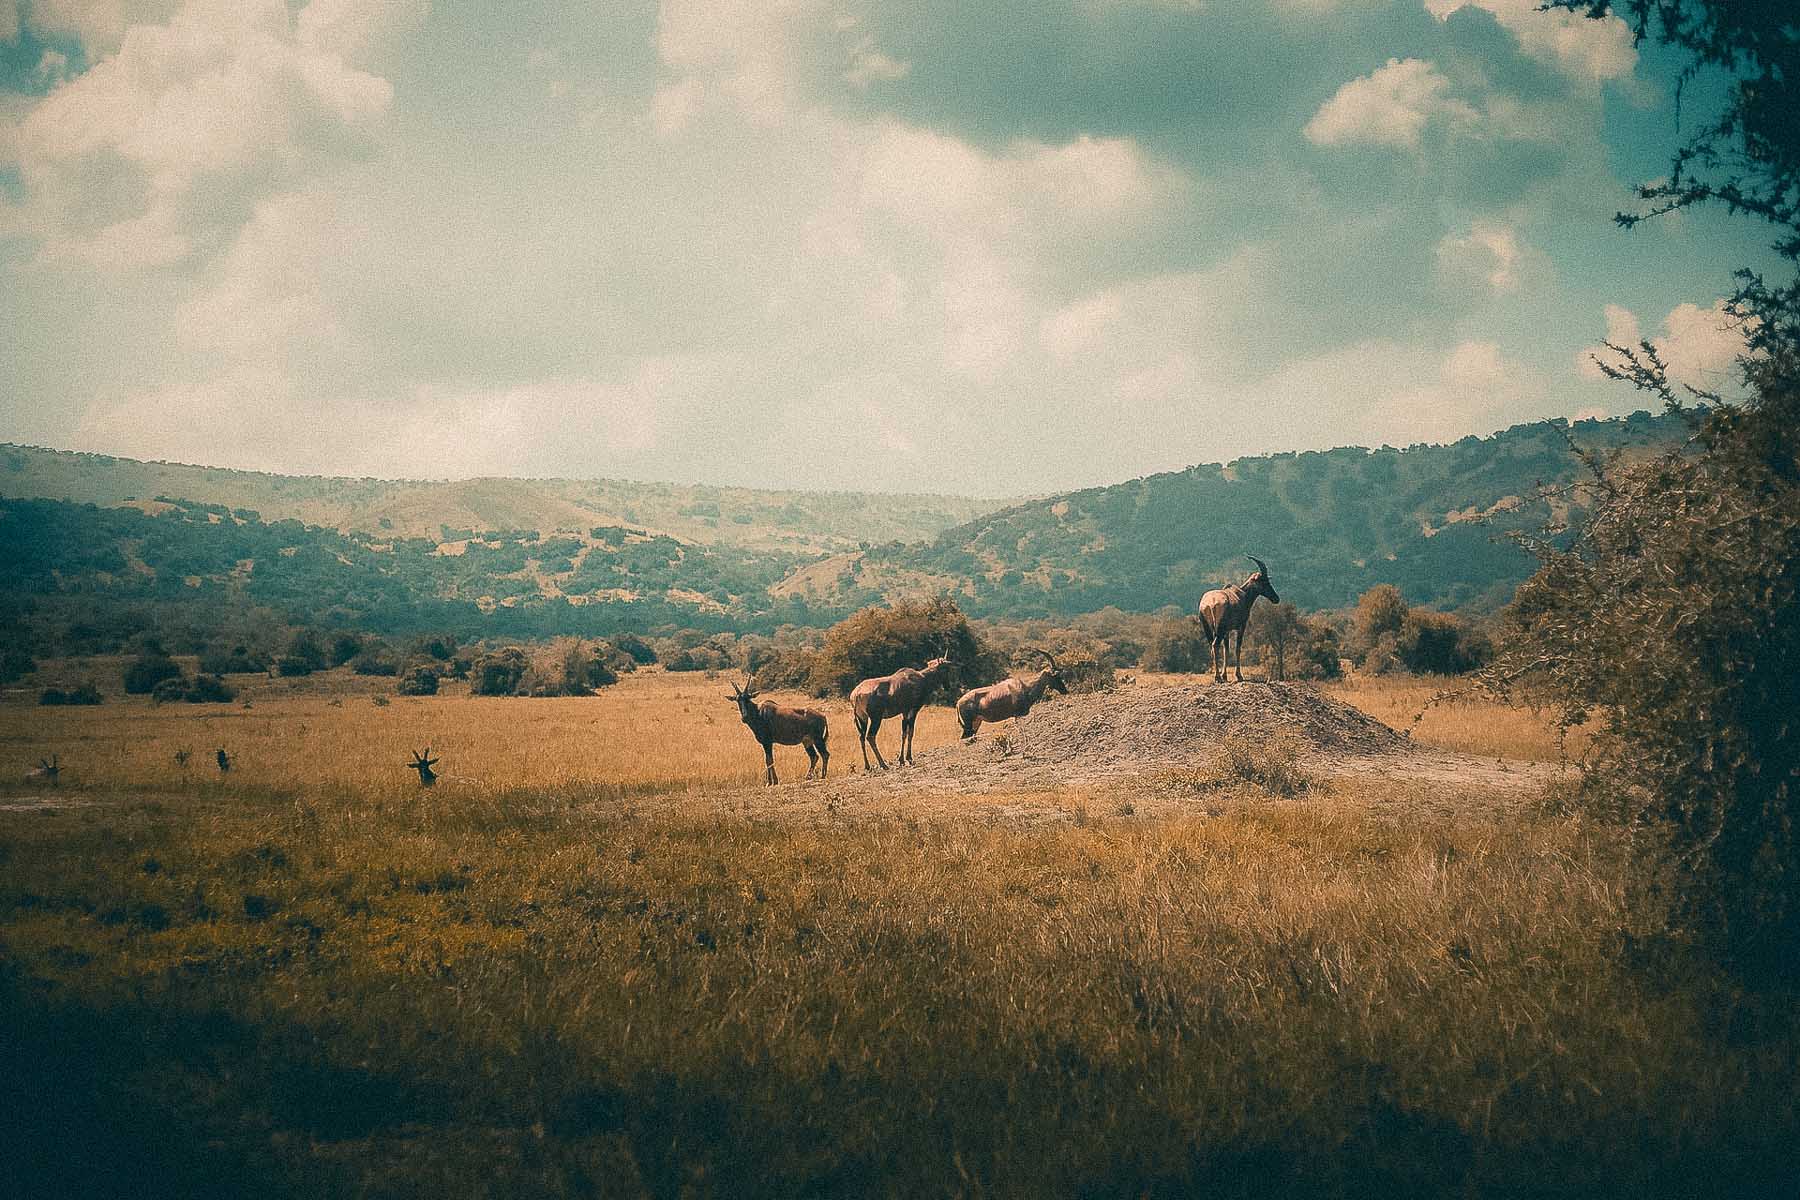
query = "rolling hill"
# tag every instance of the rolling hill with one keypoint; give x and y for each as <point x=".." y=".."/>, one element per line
<point x="1429" y="519"/>
<point x="451" y="510"/>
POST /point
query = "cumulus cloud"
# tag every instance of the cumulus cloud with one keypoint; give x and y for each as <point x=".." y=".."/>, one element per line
<point x="1389" y="107"/>
<point x="1699" y="346"/>
<point x="1490" y="255"/>
<point x="1582" y="48"/>
<point x="1382" y="392"/>
<point x="168" y="143"/>
<point x="250" y="416"/>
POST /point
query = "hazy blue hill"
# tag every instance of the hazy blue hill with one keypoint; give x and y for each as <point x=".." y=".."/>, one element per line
<point x="1330" y="525"/>
<point x="748" y="517"/>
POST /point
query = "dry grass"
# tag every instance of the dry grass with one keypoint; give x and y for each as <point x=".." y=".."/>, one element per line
<point x="311" y="978"/>
<point x="652" y="732"/>
<point x="1466" y="725"/>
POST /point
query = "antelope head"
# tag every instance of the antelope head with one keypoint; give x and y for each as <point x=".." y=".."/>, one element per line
<point x="1258" y="584"/>
<point x="1053" y="674"/>
<point x="744" y="697"/>
<point x="422" y="763"/>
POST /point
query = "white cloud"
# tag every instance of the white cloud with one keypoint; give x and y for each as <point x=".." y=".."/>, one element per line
<point x="1382" y="392"/>
<point x="1699" y="346"/>
<point x="253" y="417"/>
<point x="1490" y="255"/>
<point x="169" y="141"/>
<point x="869" y="66"/>
<point x="1585" y="49"/>
<point x="1389" y="107"/>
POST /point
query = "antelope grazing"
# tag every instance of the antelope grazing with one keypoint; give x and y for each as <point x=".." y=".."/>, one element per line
<point x="901" y="694"/>
<point x="1008" y="698"/>
<point x="1225" y="611"/>
<point x="224" y="760"/>
<point x="45" y="772"/>
<point x="422" y="763"/>
<point x="771" y="723"/>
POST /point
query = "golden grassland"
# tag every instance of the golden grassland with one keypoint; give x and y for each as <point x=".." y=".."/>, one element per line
<point x="310" y="977"/>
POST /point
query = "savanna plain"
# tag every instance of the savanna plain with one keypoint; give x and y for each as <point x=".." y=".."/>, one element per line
<point x="600" y="958"/>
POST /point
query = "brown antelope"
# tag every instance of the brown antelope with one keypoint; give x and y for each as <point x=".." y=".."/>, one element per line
<point x="1008" y="698"/>
<point x="903" y="694"/>
<point x="422" y="763"/>
<point x="1225" y="611"/>
<point x="45" y="772"/>
<point x="771" y="723"/>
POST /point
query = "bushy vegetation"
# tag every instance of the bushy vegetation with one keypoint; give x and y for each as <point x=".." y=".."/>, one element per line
<point x="879" y="641"/>
<point x="1387" y="635"/>
<point x="201" y="689"/>
<point x="421" y="679"/>
<point x="82" y="693"/>
<point x="149" y="669"/>
<point x="1671" y="617"/>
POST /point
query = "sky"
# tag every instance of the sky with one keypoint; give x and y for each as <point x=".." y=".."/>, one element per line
<point x="990" y="249"/>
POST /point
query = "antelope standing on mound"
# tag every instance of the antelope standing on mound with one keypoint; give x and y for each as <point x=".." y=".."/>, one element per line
<point x="1225" y="611"/>
<point x="1008" y="698"/>
<point x="771" y="723"/>
<point x="901" y="694"/>
<point x="45" y="772"/>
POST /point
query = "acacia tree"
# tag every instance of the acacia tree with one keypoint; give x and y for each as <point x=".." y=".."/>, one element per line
<point x="1670" y="613"/>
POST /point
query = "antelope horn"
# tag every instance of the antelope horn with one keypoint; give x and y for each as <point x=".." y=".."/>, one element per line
<point x="1048" y="657"/>
<point x="1258" y="562"/>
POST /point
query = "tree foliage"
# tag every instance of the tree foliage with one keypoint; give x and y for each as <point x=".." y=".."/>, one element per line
<point x="1670" y="615"/>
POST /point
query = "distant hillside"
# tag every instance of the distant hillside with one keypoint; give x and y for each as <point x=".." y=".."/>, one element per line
<point x="1330" y="525"/>
<point x="794" y="522"/>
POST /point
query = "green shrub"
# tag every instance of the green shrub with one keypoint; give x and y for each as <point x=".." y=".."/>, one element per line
<point x="239" y="660"/>
<point x="421" y="680"/>
<point x="372" y="661"/>
<point x="85" y="692"/>
<point x="880" y="641"/>
<point x="499" y="673"/>
<point x="1178" y="646"/>
<point x="210" y="689"/>
<point x="170" y="690"/>
<point x="148" y="670"/>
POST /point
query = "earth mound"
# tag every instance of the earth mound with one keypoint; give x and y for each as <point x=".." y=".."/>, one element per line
<point x="1181" y="724"/>
<point x="1110" y="734"/>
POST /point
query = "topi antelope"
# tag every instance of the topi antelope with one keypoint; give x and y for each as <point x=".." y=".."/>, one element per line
<point x="422" y="763"/>
<point x="224" y="760"/>
<point x="1008" y="698"/>
<point x="901" y="694"/>
<point x="771" y="723"/>
<point x="1225" y="611"/>
<point x="45" y="772"/>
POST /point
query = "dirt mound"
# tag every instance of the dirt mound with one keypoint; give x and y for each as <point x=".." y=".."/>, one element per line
<point x="1113" y="734"/>
<point x="1181" y="724"/>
